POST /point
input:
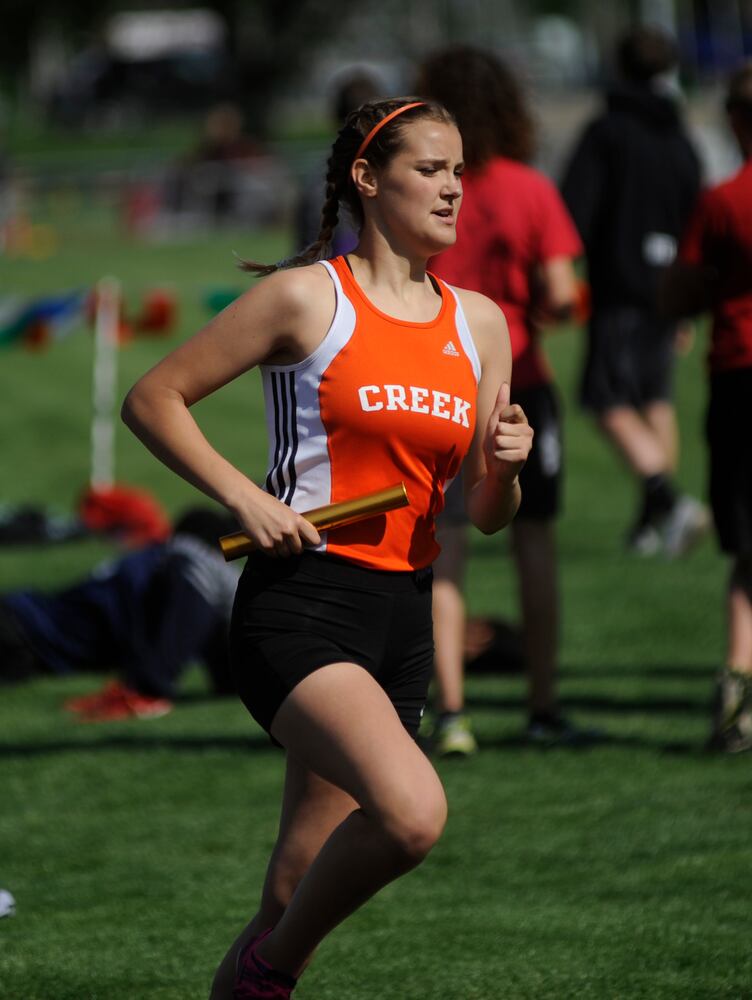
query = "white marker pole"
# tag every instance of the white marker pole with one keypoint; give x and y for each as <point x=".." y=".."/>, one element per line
<point x="104" y="384"/>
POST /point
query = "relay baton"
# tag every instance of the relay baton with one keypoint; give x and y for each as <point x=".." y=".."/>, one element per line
<point x="332" y="515"/>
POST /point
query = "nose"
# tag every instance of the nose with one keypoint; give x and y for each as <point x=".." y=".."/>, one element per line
<point x="452" y="189"/>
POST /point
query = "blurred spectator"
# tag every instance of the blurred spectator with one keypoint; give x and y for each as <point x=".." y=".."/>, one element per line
<point x="224" y="137"/>
<point x="630" y="186"/>
<point x="146" y="616"/>
<point x="714" y="271"/>
<point x="352" y="90"/>
<point x="211" y="174"/>
<point x="515" y="244"/>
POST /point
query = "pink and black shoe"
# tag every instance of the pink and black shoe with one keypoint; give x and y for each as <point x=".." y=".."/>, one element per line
<point x="255" y="979"/>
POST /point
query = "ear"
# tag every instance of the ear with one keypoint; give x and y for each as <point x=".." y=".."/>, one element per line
<point x="364" y="178"/>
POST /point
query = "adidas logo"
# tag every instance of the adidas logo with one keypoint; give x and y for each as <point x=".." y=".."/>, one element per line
<point x="450" y="349"/>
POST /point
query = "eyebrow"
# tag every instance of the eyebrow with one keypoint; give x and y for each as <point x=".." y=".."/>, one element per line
<point x="438" y="161"/>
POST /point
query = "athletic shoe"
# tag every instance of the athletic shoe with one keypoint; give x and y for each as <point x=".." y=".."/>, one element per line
<point x="7" y="904"/>
<point x="116" y="701"/>
<point x="732" y="712"/>
<point x="453" y="737"/>
<point x="555" y="730"/>
<point x="256" y="980"/>
<point x="684" y="525"/>
<point x="644" y="540"/>
<point x="83" y="703"/>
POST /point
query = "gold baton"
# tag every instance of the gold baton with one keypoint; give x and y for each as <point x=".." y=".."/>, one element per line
<point x="332" y="515"/>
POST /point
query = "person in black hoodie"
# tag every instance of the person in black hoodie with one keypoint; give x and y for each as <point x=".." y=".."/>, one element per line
<point x="630" y="186"/>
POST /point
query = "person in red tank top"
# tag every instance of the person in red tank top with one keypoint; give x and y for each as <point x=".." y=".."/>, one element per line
<point x="516" y="244"/>
<point x="714" y="273"/>
<point x="368" y="362"/>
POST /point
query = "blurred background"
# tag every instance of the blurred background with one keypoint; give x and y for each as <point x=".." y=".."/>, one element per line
<point x="156" y="144"/>
<point x="127" y="108"/>
<point x="153" y="144"/>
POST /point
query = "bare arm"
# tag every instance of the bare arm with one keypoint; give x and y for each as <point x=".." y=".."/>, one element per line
<point x="557" y="293"/>
<point x="503" y="437"/>
<point x="281" y="319"/>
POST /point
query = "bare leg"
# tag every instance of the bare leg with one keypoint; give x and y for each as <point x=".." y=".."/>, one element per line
<point x="660" y="416"/>
<point x="340" y="721"/>
<point x="534" y="549"/>
<point x="635" y="440"/>
<point x="732" y="709"/>
<point x="311" y="809"/>
<point x="739" y="653"/>
<point x="449" y="619"/>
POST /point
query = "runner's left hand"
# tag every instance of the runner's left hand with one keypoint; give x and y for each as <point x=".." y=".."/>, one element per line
<point x="509" y="438"/>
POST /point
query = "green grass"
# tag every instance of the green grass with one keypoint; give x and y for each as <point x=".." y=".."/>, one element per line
<point x="135" y="850"/>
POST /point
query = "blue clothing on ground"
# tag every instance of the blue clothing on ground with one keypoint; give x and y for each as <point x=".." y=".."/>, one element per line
<point x="147" y="615"/>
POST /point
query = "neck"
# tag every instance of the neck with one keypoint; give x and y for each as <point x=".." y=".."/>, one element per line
<point x="378" y="262"/>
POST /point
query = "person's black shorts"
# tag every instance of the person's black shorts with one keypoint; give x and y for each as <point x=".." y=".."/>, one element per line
<point x="630" y="359"/>
<point x="541" y="476"/>
<point x="453" y="513"/>
<point x="294" y="615"/>
<point x="729" y="417"/>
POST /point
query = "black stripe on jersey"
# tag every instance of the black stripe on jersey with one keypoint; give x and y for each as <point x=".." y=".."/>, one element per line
<point x="278" y="443"/>
<point x="292" y="475"/>
<point x="286" y="431"/>
<point x="282" y="421"/>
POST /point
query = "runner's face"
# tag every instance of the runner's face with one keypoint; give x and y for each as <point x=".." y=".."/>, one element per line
<point x="418" y="193"/>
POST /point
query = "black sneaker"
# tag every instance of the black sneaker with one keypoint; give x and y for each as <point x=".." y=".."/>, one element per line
<point x="673" y="532"/>
<point x="555" y="730"/>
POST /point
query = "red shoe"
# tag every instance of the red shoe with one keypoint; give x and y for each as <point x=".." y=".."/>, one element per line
<point x="116" y="701"/>
<point x="256" y="980"/>
<point x="83" y="703"/>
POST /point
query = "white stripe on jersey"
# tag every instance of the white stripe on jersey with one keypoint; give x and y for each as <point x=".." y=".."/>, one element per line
<point x="468" y="344"/>
<point x="299" y="470"/>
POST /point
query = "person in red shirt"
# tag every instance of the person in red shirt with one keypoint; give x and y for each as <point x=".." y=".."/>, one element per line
<point x="714" y="271"/>
<point x="370" y="367"/>
<point x="515" y="244"/>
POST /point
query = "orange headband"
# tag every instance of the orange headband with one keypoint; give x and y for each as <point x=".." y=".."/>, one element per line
<point x="379" y="125"/>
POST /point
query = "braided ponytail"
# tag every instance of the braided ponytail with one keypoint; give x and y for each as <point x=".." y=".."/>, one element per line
<point x="339" y="186"/>
<point x="337" y="178"/>
<point x="315" y="251"/>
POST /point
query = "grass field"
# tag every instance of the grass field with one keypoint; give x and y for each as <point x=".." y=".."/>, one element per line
<point x="135" y="850"/>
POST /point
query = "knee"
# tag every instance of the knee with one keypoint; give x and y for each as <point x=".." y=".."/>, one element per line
<point x="415" y="828"/>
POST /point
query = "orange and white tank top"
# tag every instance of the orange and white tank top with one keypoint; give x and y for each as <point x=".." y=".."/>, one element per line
<point x="380" y="400"/>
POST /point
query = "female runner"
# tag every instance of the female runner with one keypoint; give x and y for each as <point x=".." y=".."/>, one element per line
<point x="374" y="372"/>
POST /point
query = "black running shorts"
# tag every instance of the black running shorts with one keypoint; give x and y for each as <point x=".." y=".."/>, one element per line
<point x="453" y="513"/>
<point x="294" y="615"/>
<point x="729" y="417"/>
<point x="630" y="359"/>
<point x="541" y="476"/>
